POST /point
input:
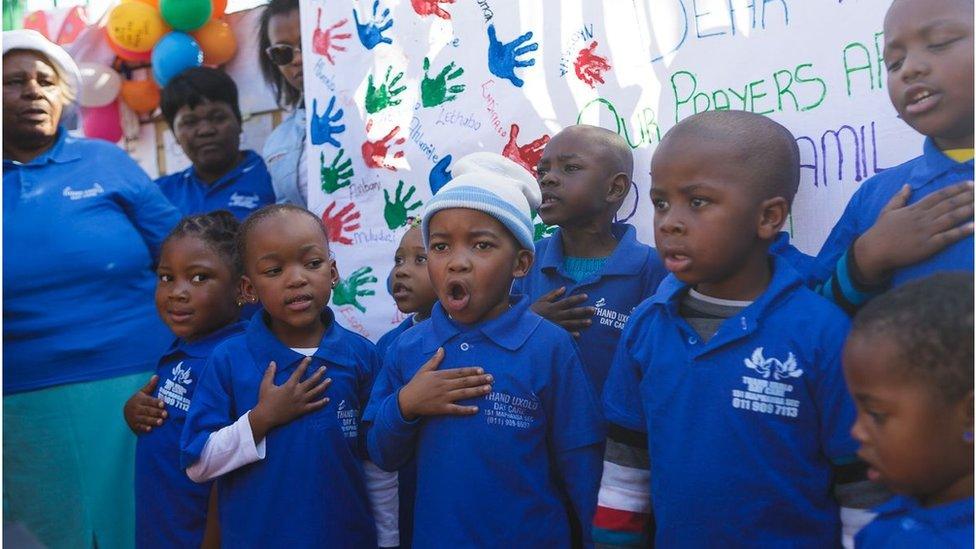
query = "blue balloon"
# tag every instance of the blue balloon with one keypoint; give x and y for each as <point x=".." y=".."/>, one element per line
<point x="173" y="54"/>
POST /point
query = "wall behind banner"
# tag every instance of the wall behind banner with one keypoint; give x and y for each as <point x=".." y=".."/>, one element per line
<point x="397" y="90"/>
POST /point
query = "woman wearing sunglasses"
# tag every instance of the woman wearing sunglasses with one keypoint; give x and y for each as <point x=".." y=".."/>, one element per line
<point x="281" y="65"/>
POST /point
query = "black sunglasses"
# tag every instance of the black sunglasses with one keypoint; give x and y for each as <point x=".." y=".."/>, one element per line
<point x="282" y="54"/>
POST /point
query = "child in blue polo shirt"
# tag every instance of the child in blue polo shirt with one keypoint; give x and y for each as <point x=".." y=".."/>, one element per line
<point x="197" y="296"/>
<point x="909" y="365"/>
<point x="200" y="106"/>
<point x="411" y="289"/>
<point x="488" y="397"/>
<point x="916" y="218"/>
<point x="726" y="397"/>
<point x="591" y="273"/>
<point x="280" y="437"/>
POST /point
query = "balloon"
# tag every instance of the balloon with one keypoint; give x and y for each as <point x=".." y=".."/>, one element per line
<point x="130" y="55"/>
<point x="219" y="7"/>
<point x="153" y="3"/>
<point x="217" y="41"/>
<point x="135" y="26"/>
<point x="175" y="53"/>
<point x="102" y="122"/>
<point x="141" y="96"/>
<point x="185" y="15"/>
<point x="100" y="85"/>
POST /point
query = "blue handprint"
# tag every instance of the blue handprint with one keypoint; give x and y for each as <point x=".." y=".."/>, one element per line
<point x="502" y="60"/>
<point x="325" y="126"/>
<point x="371" y="30"/>
<point x="439" y="174"/>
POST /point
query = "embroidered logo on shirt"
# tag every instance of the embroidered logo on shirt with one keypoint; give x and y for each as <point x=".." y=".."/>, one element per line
<point x="609" y="317"/>
<point x="511" y="411"/>
<point x="86" y="193"/>
<point x="249" y="201"/>
<point x="173" y="392"/>
<point x="765" y="395"/>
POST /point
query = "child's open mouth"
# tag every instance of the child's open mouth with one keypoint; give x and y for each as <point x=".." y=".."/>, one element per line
<point x="458" y="297"/>
<point x="676" y="262"/>
<point x="920" y="100"/>
<point x="299" y="302"/>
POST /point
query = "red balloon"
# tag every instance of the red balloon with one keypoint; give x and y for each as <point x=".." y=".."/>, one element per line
<point x="219" y="6"/>
<point x="102" y="122"/>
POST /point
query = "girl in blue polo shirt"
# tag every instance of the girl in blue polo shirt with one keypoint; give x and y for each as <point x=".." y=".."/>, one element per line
<point x="909" y="365"/>
<point x="488" y="397"/>
<point x="197" y="296"/>
<point x="275" y="417"/>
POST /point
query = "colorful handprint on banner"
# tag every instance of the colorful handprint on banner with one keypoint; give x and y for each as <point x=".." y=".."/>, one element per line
<point x="324" y="127"/>
<point x="502" y="60"/>
<point x="527" y="155"/>
<point x="349" y="290"/>
<point x="371" y="30"/>
<point x="439" y="174"/>
<point x="434" y="91"/>
<point x="379" y="98"/>
<point x="324" y="40"/>
<point x="431" y="7"/>
<point x="339" y="223"/>
<point x="590" y="66"/>
<point x="335" y="176"/>
<point x="376" y="153"/>
<point x="396" y="212"/>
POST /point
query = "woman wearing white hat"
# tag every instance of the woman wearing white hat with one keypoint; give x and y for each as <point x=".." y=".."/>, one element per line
<point x="82" y="227"/>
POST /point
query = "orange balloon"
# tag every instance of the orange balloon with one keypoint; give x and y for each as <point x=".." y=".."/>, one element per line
<point x="217" y="41"/>
<point x="219" y="6"/>
<point x="141" y="96"/>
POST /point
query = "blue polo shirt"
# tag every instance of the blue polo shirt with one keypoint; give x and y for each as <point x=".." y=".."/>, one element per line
<point x="742" y="430"/>
<point x="803" y="264"/>
<point x="926" y="174"/>
<point x="171" y="509"/>
<point x="309" y="490"/>
<point x="383" y="344"/>
<point x="242" y="190"/>
<point x="903" y="523"/>
<point x="490" y="479"/>
<point x="82" y="228"/>
<point x="630" y="275"/>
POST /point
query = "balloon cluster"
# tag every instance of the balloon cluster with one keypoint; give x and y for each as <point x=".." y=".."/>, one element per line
<point x="169" y="35"/>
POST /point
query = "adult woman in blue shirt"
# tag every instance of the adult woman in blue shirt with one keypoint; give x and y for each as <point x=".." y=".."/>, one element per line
<point x="82" y="227"/>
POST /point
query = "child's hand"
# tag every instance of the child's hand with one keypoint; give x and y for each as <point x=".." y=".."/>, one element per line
<point x="904" y="235"/>
<point x="142" y="411"/>
<point x="433" y="393"/>
<point x="280" y="404"/>
<point x="565" y="311"/>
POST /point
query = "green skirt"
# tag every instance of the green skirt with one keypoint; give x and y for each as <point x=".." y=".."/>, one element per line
<point x="68" y="463"/>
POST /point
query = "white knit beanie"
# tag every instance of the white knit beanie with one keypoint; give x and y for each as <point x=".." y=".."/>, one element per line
<point x="31" y="40"/>
<point x="490" y="183"/>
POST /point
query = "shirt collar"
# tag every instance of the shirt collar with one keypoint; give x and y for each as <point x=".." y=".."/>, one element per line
<point x="266" y="347"/>
<point x="248" y="164"/>
<point x="60" y="152"/>
<point x="509" y="330"/>
<point x="201" y="348"/>
<point x="935" y="164"/>
<point x="628" y="256"/>
<point x="785" y="279"/>
<point x="954" y="514"/>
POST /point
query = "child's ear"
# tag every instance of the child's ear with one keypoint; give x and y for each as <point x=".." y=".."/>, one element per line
<point x="334" y="272"/>
<point x="248" y="295"/>
<point x="774" y="214"/>
<point x="523" y="262"/>
<point x="619" y="186"/>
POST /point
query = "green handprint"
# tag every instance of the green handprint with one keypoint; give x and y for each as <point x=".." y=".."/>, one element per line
<point x="347" y="291"/>
<point x="396" y="212"/>
<point x="382" y="97"/>
<point x="434" y="91"/>
<point x="335" y="176"/>
<point x="541" y="229"/>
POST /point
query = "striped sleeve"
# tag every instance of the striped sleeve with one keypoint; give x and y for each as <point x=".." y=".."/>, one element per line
<point x="844" y="289"/>
<point x="623" y="516"/>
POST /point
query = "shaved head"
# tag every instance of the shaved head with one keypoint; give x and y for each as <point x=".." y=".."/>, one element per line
<point x="765" y="146"/>
<point x="611" y="146"/>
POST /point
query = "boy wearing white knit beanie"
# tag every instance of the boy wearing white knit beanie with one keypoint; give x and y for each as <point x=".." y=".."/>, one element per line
<point x="490" y="398"/>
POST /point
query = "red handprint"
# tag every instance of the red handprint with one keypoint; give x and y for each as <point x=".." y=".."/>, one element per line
<point x="374" y="152"/>
<point x="527" y="156"/>
<point x="590" y="66"/>
<point x="431" y="7"/>
<point x="324" y="40"/>
<point x="341" y="222"/>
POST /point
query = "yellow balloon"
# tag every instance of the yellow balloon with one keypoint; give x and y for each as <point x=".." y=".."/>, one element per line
<point x="217" y="41"/>
<point x="135" y="26"/>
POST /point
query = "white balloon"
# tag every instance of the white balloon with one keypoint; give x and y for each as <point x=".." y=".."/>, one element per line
<point x="100" y="85"/>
